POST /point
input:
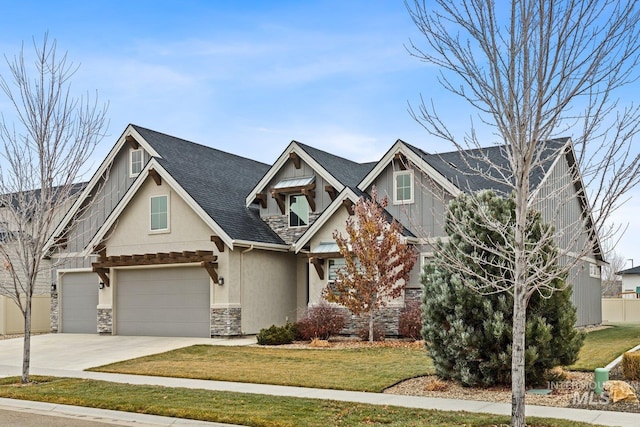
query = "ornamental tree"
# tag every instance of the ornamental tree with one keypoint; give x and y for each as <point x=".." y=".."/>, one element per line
<point x="378" y="260"/>
<point x="469" y="333"/>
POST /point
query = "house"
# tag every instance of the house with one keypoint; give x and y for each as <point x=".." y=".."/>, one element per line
<point x="174" y="238"/>
<point x="630" y="282"/>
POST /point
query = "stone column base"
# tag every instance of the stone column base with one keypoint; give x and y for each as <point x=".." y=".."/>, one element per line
<point x="226" y="322"/>
<point x="105" y="321"/>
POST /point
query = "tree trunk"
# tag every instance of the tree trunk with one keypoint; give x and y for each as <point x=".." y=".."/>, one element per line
<point x="26" y="349"/>
<point x="517" y="358"/>
<point x="371" y="316"/>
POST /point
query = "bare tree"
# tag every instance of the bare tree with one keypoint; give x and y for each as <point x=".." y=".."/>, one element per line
<point x="43" y="155"/>
<point x="611" y="281"/>
<point x="534" y="71"/>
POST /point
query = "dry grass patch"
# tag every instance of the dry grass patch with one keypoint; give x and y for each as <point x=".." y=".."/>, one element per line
<point x="245" y="409"/>
<point x="362" y="369"/>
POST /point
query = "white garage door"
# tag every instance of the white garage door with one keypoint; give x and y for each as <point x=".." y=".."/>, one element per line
<point x="163" y="302"/>
<point x="78" y="294"/>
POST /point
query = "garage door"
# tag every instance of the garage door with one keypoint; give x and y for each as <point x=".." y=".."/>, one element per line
<point x="163" y="302"/>
<point x="78" y="303"/>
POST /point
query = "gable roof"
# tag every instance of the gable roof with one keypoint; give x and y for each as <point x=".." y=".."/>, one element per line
<point x="335" y="170"/>
<point x="461" y="168"/>
<point x="217" y="181"/>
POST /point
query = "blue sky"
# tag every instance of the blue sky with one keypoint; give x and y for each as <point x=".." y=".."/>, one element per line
<point x="248" y="77"/>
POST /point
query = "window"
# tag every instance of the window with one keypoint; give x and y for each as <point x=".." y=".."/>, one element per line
<point x="135" y="162"/>
<point x="298" y="211"/>
<point x="334" y="266"/>
<point x="159" y="213"/>
<point x="402" y="187"/>
<point x="594" y="271"/>
<point x="426" y="259"/>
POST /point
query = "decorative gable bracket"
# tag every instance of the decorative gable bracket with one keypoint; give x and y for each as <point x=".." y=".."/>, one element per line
<point x="132" y="142"/>
<point x="219" y="243"/>
<point x="401" y="160"/>
<point x="318" y="263"/>
<point x="348" y="204"/>
<point x="331" y="191"/>
<point x="262" y="198"/>
<point x="156" y="176"/>
<point x="296" y="160"/>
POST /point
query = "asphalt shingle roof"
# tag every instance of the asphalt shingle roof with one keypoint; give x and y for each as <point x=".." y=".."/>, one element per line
<point x="461" y="168"/>
<point x="633" y="270"/>
<point x="218" y="181"/>
<point x="348" y="172"/>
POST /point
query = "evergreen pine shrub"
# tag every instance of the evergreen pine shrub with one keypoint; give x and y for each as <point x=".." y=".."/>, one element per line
<point x="276" y="335"/>
<point x="469" y="334"/>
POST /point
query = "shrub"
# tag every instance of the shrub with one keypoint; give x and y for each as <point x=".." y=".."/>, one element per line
<point x="410" y="321"/>
<point x="469" y="334"/>
<point x="631" y="365"/>
<point x="321" y="321"/>
<point x="276" y="335"/>
<point x="378" y="332"/>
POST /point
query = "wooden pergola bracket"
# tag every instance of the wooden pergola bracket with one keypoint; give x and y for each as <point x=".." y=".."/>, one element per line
<point x="279" y="198"/>
<point x="219" y="243"/>
<point x="310" y="194"/>
<point x="103" y="274"/>
<point x="318" y="263"/>
<point x="211" y="269"/>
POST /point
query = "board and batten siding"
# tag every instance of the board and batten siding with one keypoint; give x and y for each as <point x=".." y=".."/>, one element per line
<point x="557" y="200"/>
<point x="288" y="171"/>
<point x="425" y="216"/>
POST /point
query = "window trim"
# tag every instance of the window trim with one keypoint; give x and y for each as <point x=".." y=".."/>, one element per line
<point x="160" y="230"/>
<point x="135" y="150"/>
<point x="395" y="187"/>
<point x="289" y="196"/>
<point x="594" y="271"/>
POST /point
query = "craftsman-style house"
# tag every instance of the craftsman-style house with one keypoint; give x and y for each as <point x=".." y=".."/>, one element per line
<point x="177" y="239"/>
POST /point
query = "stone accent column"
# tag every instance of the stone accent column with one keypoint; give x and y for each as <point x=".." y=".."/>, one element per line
<point x="105" y="321"/>
<point x="226" y="322"/>
<point x="413" y="294"/>
<point x="388" y="317"/>
<point x="53" y="312"/>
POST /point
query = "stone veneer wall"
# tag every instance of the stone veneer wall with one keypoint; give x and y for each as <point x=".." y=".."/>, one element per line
<point x="226" y="322"/>
<point x="280" y="224"/>
<point x="53" y="312"/>
<point x="105" y="321"/>
<point x="389" y="317"/>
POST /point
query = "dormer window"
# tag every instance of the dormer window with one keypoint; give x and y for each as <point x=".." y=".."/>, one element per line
<point x="135" y="162"/>
<point x="298" y="210"/>
<point x="402" y="187"/>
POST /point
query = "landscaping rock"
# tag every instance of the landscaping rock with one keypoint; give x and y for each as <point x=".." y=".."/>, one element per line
<point x="620" y="391"/>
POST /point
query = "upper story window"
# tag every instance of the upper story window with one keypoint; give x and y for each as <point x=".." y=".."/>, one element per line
<point x="402" y="187"/>
<point x="334" y="264"/>
<point x="159" y="218"/>
<point x="298" y="210"/>
<point x="594" y="271"/>
<point x="135" y="162"/>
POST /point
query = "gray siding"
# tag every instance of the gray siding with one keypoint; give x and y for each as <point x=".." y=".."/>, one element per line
<point x="104" y="198"/>
<point x="289" y="171"/>
<point x="425" y="216"/>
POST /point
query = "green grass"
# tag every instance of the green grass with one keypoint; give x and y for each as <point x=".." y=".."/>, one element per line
<point x="246" y="409"/>
<point x="604" y="345"/>
<point x="363" y="369"/>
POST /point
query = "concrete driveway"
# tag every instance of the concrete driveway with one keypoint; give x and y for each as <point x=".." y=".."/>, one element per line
<point x="77" y="352"/>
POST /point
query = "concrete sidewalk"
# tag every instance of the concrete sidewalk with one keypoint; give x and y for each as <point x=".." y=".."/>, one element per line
<point x="584" y="415"/>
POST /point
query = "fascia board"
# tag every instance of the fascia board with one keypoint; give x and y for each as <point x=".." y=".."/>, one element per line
<point x="129" y="130"/>
<point x="347" y="193"/>
<point x="424" y="167"/>
<point x="153" y="164"/>
<point x="293" y="147"/>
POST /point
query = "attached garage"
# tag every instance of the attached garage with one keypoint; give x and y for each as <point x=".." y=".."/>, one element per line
<point x="78" y="302"/>
<point x="163" y="302"/>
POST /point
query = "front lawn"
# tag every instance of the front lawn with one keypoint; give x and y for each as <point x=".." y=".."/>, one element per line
<point x="245" y="409"/>
<point x="361" y="369"/>
<point x="604" y="345"/>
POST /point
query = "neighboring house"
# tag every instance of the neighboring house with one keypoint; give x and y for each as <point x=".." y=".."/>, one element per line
<point x="630" y="282"/>
<point x="175" y="238"/>
<point x="11" y="318"/>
